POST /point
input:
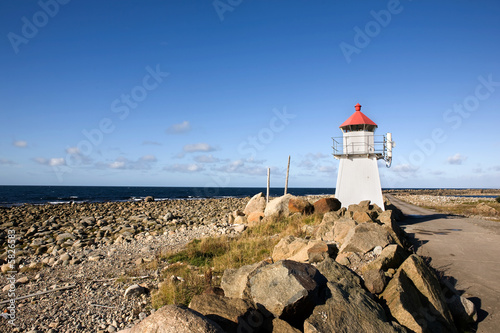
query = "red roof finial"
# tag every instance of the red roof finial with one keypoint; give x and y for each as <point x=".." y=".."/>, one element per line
<point x="357" y="107"/>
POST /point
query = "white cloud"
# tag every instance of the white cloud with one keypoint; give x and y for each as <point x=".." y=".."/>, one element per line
<point x="238" y="166"/>
<point x="456" y="159"/>
<point x="54" y="161"/>
<point x="187" y="168"/>
<point x="40" y="160"/>
<point x="4" y="161"/>
<point x="20" y="143"/>
<point x="148" y="158"/>
<point x="142" y="163"/>
<point x="206" y="159"/>
<point x="73" y="150"/>
<point x="118" y="165"/>
<point x="198" y="147"/>
<point x="76" y="157"/>
<point x="183" y="127"/>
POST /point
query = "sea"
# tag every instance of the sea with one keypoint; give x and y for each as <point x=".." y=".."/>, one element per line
<point x="38" y="195"/>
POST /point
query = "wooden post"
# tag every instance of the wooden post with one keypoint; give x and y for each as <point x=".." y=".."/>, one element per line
<point x="287" y="173"/>
<point x="268" y="184"/>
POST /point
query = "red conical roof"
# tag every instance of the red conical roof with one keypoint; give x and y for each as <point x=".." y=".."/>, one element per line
<point x="358" y="118"/>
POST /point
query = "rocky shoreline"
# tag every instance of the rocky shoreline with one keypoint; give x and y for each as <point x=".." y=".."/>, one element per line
<point x="92" y="267"/>
<point x="97" y="247"/>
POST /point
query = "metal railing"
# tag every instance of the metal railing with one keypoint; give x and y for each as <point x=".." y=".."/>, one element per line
<point x="378" y="147"/>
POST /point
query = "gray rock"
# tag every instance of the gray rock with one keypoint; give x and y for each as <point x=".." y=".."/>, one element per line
<point x="64" y="236"/>
<point x="392" y="256"/>
<point x="65" y="257"/>
<point x="135" y="290"/>
<point x="364" y="237"/>
<point x="225" y="311"/>
<point x="342" y="227"/>
<point x="256" y="204"/>
<point x="281" y="326"/>
<point x="278" y="207"/>
<point x="339" y="274"/>
<point x="235" y="281"/>
<point x="348" y="310"/>
<point x="324" y="230"/>
<point x="463" y="310"/>
<point x="415" y="300"/>
<point x="287" y="289"/>
<point x="375" y="281"/>
<point x="176" y="319"/>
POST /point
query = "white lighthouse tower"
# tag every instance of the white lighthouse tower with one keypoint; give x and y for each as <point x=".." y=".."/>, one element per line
<point x="358" y="178"/>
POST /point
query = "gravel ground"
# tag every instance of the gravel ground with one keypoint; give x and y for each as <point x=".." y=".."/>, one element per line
<point x="94" y="249"/>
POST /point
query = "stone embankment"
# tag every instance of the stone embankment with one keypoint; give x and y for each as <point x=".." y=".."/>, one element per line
<point x="351" y="273"/>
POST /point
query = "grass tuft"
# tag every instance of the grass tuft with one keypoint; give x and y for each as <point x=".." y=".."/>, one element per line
<point x="221" y="253"/>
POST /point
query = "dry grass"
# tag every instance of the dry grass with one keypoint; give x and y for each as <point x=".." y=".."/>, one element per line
<point x="221" y="253"/>
<point x="468" y="209"/>
<point x="180" y="285"/>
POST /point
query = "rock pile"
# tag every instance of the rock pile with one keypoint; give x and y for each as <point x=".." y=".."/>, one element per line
<point x="352" y="273"/>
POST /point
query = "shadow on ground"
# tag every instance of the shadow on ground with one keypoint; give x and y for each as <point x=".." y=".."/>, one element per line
<point x="447" y="282"/>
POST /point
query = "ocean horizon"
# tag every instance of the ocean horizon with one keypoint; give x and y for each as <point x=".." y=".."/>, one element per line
<point x="11" y="195"/>
<point x="14" y="195"/>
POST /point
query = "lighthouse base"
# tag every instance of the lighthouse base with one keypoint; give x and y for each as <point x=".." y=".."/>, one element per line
<point x="358" y="179"/>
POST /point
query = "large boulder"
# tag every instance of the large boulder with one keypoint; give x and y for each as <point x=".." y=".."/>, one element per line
<point x="296" y="249"/>
<point x="234" y="282"/>
<point x="388" y="218"/>
<point x="364" y="237"/>
<point x="375" y="281"/>
<point x="278" y="206"/>
<point x="361" y="217"/>
<point x="256" y="204"/>
<point x="281" y="326"/>
<point x="348" y="309"/>
<point x="289" y="290"/>
<point x="339" y="274"/>
<point x="392" y="256"/>
<point x="415" y="300"/>
<point x="176" y="319"/>
<point x="324" y="231"/>
<point x="255" y="218"/>
<point x="229" y="313"/>
<point x="342" y="227"/>
<point x="300" y="205"/>
<point x="325" y="205"/>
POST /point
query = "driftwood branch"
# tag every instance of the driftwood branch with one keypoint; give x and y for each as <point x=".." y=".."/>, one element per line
<point x="38" y="294"/>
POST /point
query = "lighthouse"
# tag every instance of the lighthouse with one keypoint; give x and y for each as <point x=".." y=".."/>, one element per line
<point x="358" y="151"/>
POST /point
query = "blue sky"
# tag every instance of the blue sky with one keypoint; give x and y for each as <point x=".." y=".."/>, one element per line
<point x="212" y="93"/>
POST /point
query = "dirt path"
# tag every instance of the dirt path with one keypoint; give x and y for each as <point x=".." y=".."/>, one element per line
<point x="466" y="249"/>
